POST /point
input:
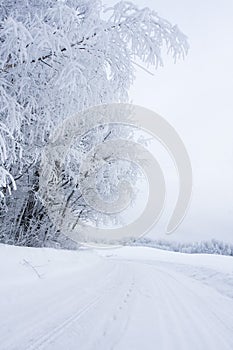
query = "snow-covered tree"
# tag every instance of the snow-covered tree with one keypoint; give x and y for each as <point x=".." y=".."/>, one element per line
<point x="58" y="58"/>
<point x="202" y="247"/>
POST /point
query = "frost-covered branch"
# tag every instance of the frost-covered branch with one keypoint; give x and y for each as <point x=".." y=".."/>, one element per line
<point x="58" y="58"/>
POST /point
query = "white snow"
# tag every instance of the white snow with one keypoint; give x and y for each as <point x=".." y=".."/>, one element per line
<point x="123" y="299"/>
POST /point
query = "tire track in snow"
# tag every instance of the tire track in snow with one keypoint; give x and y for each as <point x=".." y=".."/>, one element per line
<point x="55" y="332"/>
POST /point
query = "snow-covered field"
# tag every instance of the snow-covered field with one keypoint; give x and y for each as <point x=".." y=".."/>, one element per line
<point x="125" y="299"/>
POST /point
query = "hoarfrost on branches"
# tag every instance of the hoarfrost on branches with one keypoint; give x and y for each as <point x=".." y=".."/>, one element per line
<point x="58" y="58"/>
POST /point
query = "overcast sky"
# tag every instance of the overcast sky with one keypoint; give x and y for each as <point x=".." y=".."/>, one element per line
<point x="196" y="97"/>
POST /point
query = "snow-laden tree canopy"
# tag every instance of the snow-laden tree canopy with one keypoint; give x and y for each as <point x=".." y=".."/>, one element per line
<point x="61" y="57"/>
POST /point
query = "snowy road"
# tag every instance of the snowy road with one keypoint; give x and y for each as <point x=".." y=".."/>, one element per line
<point x="123" y="299"/>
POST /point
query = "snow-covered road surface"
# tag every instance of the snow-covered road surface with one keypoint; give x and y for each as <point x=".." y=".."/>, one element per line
<point x="125" y="299"/>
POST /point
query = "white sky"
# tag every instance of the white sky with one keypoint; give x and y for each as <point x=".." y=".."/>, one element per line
<point x="196" y="97"/>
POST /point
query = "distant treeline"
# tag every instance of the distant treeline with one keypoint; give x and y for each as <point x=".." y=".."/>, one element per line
<point x="205" y="247"/>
